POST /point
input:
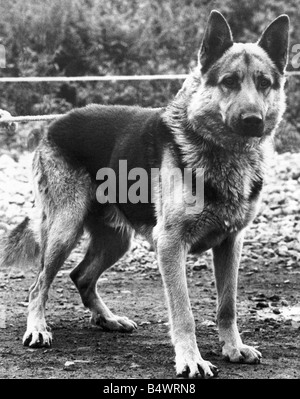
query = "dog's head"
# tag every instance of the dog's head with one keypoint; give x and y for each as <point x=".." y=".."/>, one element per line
<point x="239" y="86"/>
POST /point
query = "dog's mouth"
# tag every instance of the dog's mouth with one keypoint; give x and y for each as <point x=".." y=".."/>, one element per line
<point x="253" y="132"/>
<point x="249" y="126"/>
<point x="245" y="133"/>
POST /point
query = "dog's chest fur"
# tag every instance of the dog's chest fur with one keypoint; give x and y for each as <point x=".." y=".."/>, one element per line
<point x="232" y="186"/>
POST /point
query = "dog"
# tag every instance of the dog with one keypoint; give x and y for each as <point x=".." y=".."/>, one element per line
<point x="221" y="121"/>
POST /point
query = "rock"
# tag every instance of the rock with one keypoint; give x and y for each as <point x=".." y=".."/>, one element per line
<point x="69" y="366"/>
<point x="283" y="250"/>
<point x="16" y="275"/>
<point x="7" y="162"/>
<point x="296" y="175"/>
<point x="208" y="323"/>
<point x="144" y="323"/>
<point x="83" y="361"/>
<point x="295" y="325"/>
<point x="23" y="304"/>
<point x="134" y="366"/>
<point x="200" y="265"/>
<point x="262" y="305"/>
<point x="274" y="298"/>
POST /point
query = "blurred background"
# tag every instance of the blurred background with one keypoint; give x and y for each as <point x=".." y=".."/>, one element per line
<point x="123" y="37"/>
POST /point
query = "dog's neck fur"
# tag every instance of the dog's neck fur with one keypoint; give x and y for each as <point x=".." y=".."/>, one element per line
<point x="190" y="140"/>
<point x="239" y="156"/>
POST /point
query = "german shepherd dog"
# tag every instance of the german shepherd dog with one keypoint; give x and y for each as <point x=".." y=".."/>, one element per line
<point x="222" y="121"/>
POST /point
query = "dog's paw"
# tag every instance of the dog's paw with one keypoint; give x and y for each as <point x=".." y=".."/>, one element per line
<point x="193" y="366"/>
<point x="113" y="323"/>
<point x="35" y="338"/>
<point x="241" y="354"/>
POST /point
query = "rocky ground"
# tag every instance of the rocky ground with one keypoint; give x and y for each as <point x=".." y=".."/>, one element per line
<point x="268" y="303"/>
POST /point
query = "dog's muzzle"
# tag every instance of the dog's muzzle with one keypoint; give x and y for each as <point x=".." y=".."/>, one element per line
<point x="252" y="124"/>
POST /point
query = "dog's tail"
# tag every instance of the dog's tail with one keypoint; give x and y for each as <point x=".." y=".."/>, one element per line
<point x="20" y="246"/>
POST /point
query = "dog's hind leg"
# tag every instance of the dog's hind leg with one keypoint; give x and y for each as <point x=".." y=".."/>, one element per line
<point x="63" y="195"/>
<point x="226" y="264"/>
<point x="63" y="234"/>
<point x="43" y="231"/>
<point x="107" y="246"/>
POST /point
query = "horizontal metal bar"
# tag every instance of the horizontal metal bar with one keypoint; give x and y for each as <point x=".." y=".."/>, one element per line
<point x="110" y="78"/>
<point x="36" y="79"/>
<point x="30" y="118"/>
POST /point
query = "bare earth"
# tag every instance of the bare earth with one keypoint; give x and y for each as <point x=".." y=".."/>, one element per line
<point x="268" y="300"/>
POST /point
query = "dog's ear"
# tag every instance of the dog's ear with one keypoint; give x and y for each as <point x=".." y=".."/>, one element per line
<point x="217" y="39"/>
<point x="275" y="41"/>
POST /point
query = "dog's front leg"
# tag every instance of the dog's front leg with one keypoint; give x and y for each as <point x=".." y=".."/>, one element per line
<point x="171" y="257"/>
<point x="226" y="263"/>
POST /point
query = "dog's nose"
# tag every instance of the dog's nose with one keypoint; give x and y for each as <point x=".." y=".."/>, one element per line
<point x="252" y="124"/>
<point x="252" y="121"/>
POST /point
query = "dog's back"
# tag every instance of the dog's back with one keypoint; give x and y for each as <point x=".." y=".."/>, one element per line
<point x="98" y="136"/>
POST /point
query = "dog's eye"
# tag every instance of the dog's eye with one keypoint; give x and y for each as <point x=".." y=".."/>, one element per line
<point x="264" y="83"/>
<point x="229" y="82"/>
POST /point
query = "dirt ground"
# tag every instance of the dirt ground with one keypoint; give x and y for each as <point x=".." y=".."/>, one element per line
<point x="147" y="352"/>
<point x="268" y="304"/>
